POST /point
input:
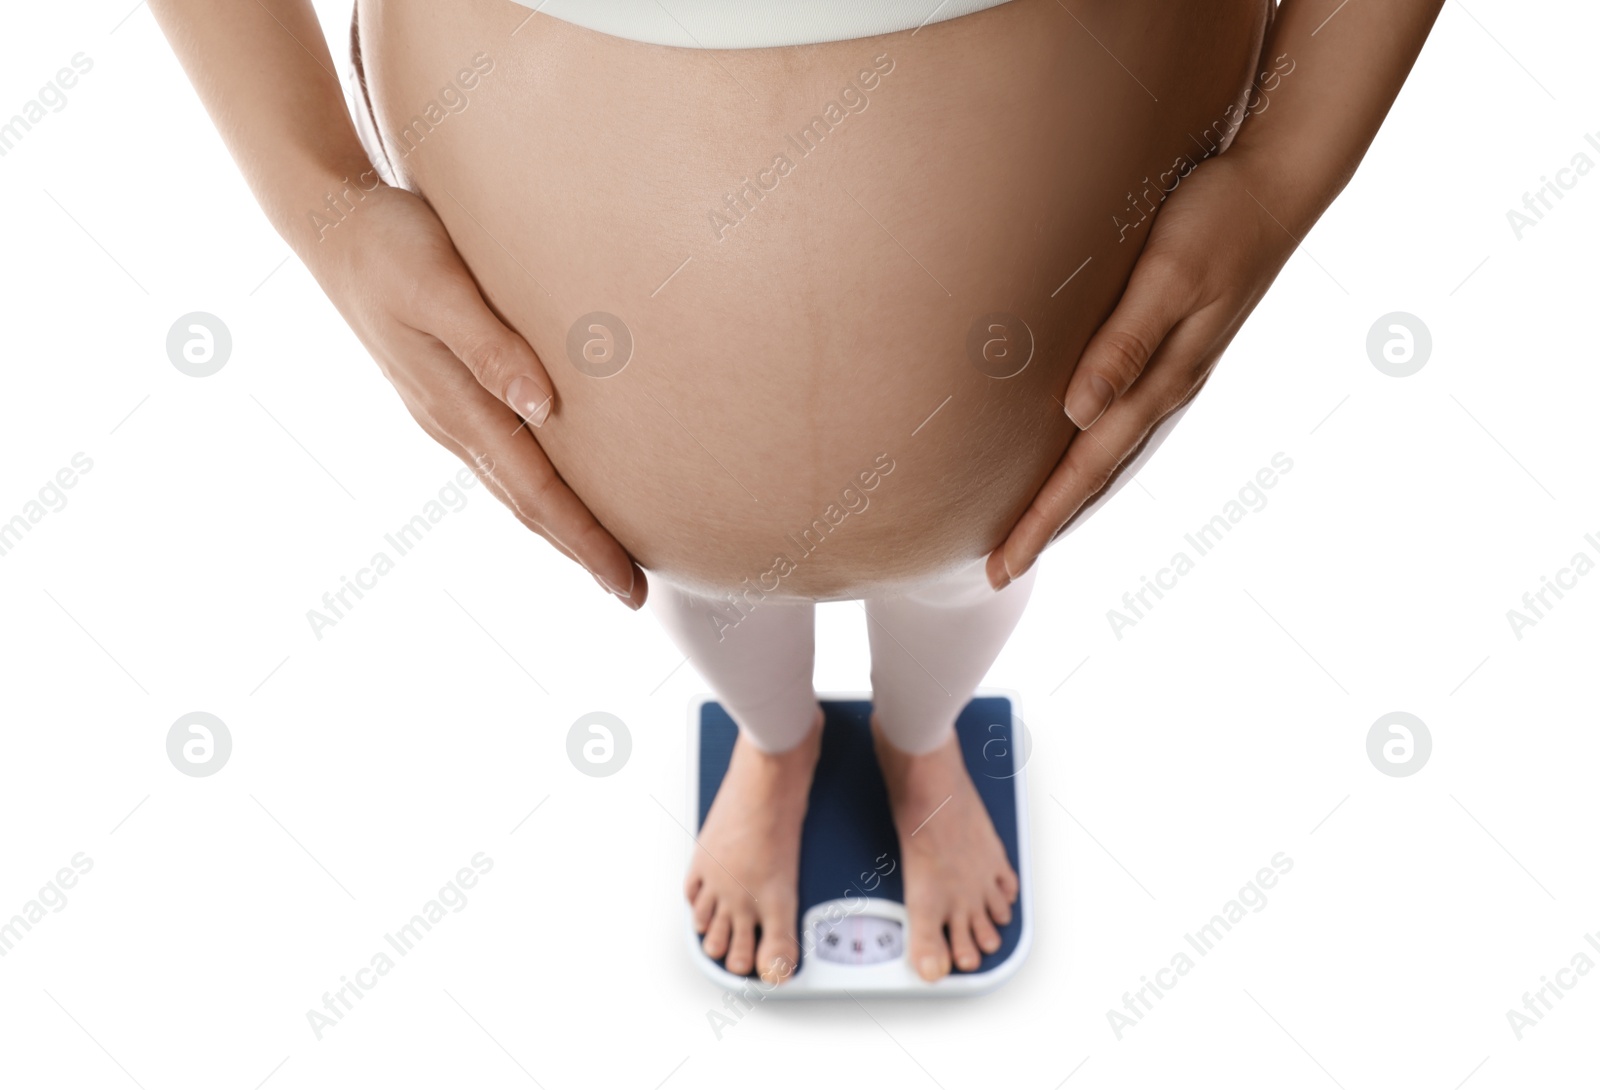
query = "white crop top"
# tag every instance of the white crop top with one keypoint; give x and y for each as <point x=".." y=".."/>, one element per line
<point x="752" y="24"/>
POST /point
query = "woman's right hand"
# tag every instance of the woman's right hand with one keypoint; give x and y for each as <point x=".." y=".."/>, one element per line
<point x="393" y="273"/>
<point x="389" y="266"/>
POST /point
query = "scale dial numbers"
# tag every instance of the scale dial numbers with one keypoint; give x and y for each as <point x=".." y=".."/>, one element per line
<point x="860" y="939"/>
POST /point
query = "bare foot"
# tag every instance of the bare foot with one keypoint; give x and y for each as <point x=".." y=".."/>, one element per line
<point x="957" y="873"/>
<point x="746" y="868"/>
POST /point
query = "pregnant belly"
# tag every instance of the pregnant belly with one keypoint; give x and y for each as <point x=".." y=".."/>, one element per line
<point x="809" y="310"/>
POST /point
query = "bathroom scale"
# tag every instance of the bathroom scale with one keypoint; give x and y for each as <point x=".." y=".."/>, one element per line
<point x="853" y="925"/>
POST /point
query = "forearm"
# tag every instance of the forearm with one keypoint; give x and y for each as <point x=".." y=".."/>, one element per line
<point x="264" y="73"/>
<point x="1349" y="62"/>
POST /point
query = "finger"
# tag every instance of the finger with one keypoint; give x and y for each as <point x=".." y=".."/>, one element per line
<point x="1091" y="460"/>
<point x="506" y="456"/>
<point x="631" y="589"/>
<point x="479" y="466"/>
<point x="1159" y="295"/>
<point x="497" y="356"/>
<point x="444" y="440"/>
<point x="523" y="479"/>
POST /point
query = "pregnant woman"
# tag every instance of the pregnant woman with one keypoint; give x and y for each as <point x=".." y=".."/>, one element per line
<point x="785" y="301"/>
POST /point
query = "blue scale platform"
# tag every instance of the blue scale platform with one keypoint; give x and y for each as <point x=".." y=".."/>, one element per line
<point x="849" y="848"/>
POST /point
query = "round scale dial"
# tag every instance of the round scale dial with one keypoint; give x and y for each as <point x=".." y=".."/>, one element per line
<point x="860" y="939"/>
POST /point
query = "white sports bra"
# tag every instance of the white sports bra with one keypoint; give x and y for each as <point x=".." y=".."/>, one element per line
<point x="752" y="24"/>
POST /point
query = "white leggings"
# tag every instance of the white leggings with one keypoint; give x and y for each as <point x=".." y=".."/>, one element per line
<point x="930" y="648"/>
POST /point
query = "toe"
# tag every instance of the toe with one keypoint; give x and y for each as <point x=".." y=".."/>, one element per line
<point x="984" y="931"/>
<point x="691" y="886"/>
<point x="704" y="908"/>
<point x="999" y="905"/>
<point x="716" y="940"/>
<point x="1007" y="881"/>
<point x="742" y="947"/>
<point x="961" y="944"/>
<point x="929" y="955"/>
<point x="779" y="951"/>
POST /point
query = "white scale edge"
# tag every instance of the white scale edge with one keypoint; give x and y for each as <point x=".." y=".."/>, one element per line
<point x="821" y="979"/>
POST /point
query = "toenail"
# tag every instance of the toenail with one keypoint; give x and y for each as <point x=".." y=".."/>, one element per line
<point x="930" y="965"/>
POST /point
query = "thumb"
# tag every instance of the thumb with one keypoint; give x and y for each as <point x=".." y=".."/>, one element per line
<point x="1157" y="298"/>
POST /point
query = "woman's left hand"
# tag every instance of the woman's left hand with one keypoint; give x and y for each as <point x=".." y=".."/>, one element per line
<point x="1214" y="248"/>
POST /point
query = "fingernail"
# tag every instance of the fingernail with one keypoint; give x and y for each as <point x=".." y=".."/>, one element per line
<point x="1012" y="577"/>
<point x="625" y="597"/>
<point x="527" y="398"/>
<point x="1092" y="399"/>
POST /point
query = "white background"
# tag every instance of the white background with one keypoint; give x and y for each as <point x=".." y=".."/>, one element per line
<point x="369" y="766"/>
